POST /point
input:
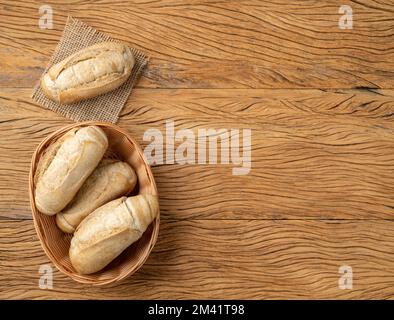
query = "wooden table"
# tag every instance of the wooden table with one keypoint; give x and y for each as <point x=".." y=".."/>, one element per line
<point x="319" y="101"/>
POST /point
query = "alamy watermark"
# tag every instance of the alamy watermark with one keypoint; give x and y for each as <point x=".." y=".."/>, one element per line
<point x="46" y="277"/>
<point x="46" y="17"/>
<point x="201" y="147"/>
<point x="345" y="280"/>
<point x="346" y="20"/>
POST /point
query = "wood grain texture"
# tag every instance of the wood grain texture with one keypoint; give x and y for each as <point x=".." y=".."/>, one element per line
<point x="217" y="44"/>
<point x="315" y="154"/>
<point x="320" y="104"/>
<point x="224" y="259"/>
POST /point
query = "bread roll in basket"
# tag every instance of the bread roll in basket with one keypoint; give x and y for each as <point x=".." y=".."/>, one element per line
<point x="56" y="243"/>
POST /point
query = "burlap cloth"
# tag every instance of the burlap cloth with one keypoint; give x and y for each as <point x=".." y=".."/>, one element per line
<point x="76" y="36"/>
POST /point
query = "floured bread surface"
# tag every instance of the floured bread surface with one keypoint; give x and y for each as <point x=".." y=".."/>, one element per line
<point x="109" y="230"/>
<point x="61" y="176"/>
<point x="90" y="72"/>
<point x="110" y="180"/>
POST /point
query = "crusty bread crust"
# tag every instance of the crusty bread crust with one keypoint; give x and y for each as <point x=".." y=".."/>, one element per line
<point x="110" y="180"/>
<point x="110" y="229"/>
<point x="67" y="165"/>
<point x="49" y="154"/>
<point x="88" y="73"/>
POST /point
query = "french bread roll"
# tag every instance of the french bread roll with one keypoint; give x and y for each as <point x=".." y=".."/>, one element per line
<point x="110" y="180"/>
<point x="88" y="73"/>
<point x="66" y="165"/>
<point x="109" y="230"/>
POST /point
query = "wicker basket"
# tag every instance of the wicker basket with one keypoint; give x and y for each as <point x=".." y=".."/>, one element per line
<point x="56" y="243"/>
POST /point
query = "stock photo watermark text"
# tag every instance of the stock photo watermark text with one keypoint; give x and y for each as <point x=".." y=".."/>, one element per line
<point x="46" y="277"/>
<point x="200" y="147"/>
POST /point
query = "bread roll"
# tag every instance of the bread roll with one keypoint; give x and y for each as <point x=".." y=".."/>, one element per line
<point x="110" y="180"/>
<point x="88" y="73"/>
<point x="110" y="229"/>
<point x="66" y="165"/>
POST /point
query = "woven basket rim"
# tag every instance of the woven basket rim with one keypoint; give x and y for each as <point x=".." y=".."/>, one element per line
<point x="43" y="145"/>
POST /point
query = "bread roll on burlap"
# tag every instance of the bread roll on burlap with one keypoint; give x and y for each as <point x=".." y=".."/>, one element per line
<point x="92" y="71"/>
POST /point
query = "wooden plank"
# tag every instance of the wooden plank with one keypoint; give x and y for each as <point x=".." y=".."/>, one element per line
<point x="228" y="44"/>
<point x="315" y="154"/>
<point x="226" y="259"/>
